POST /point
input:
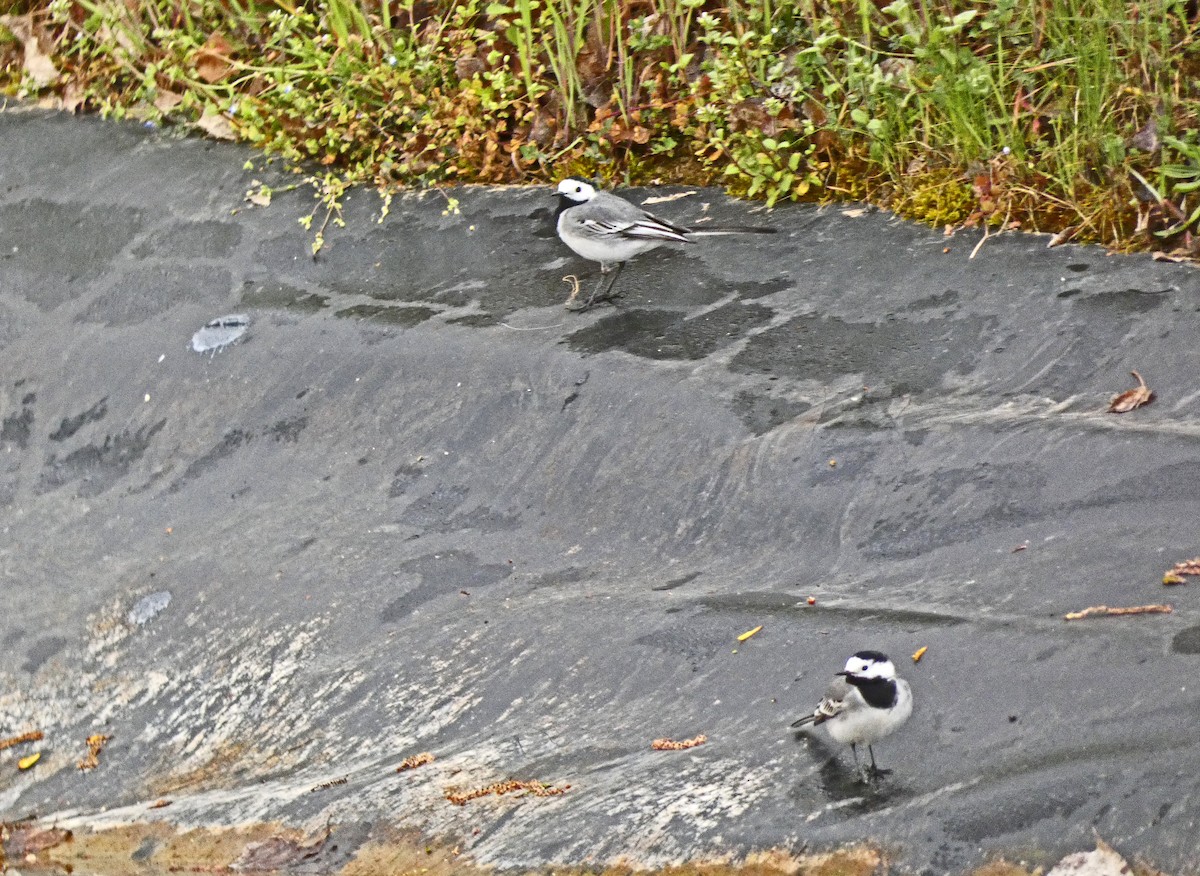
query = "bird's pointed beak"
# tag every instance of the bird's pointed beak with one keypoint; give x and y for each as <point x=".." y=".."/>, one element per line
<point x="843" y="672"/>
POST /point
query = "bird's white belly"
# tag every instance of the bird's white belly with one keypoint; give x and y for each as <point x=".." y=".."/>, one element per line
<point x="610" y="250"/>
<point x="863" y="727"/>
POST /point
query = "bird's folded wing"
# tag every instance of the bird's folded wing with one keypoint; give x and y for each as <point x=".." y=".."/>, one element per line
<point x="640" y="229"/>
<point x="829" y="707"/>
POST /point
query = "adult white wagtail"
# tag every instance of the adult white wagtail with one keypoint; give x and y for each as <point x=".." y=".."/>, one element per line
<point x="610" y="230"/>
<point x="865" y="702"/>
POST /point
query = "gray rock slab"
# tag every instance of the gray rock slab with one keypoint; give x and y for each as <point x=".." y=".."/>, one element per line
<point x="420" y="506"/>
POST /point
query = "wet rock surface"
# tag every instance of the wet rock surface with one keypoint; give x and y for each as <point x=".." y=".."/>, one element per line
<point x="418" y="506"/>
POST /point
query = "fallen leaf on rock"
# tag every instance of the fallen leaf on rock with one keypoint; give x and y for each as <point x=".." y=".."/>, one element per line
<point x="673" y="745"/>
<point x="33" y="736"/>
<point x="30" y="840"/>
<point x="1171" y="579"/>
<point x="160" y="804"/>
<point x="746" y="635"/>
<point x="1105" y="611"/>
<point x="26" y="762"/>
<point x="533" y="788"/>
<point x="919" y="653"/>
<point x="1101" y="861"/>
<point x="261" y="196"/>
<point x="1131" y="398"/>
<point x="95" y="744"/>
<point x="37" y="63"/>
<point x="416" y="760"/>
<point x="216" y="125"/>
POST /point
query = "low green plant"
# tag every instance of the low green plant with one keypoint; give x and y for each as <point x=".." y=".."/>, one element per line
<point x="1016" y="111"/>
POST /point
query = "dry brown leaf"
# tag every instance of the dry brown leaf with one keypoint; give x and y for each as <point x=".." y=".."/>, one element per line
<point x="165" y="101"/>
<point x="160" y="804"/>
<point x="212" y="59"/>
<point x="680" y="745"/>
<point x="73" y="96"/>
<point x="30" y="840"/>
<point x="37" y="63"/>
<point x="32" y="736"/>
<point x="1103" y="861"/>
<point x="261" y="196"/>
<point x="217" y="125"/>
<point x="534" y="788"/>
<point x="1171" y="579"/>
<point x="416" y="760"/>
<point x="1131" y="398"/>
<point x="95" y="744"/>
<point x="1105" y="611"/>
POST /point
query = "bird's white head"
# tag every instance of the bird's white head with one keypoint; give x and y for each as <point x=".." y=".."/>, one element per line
<point x="870" y="664"/>
<point x="576" y="190"/>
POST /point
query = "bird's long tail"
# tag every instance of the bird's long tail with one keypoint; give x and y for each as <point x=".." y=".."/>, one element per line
<point x="730" y="229"/>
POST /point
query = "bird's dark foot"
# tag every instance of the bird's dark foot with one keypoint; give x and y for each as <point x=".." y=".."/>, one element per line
<point x="580" y="306"/>
<point x="877" y="772"/>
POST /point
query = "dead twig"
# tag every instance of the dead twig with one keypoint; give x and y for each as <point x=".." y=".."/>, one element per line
<point x="533" y="788"/>
<point x="416" y="760"/>
<point x="680" y="745"/>
<point x="1105" y="611"/>
<point x="33" y="736"/>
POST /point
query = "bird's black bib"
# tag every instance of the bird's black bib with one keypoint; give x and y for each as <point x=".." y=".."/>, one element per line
<point x="878" y="692"/>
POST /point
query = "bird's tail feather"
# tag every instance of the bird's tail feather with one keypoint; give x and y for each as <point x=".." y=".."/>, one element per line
<point x="730" y="229"/>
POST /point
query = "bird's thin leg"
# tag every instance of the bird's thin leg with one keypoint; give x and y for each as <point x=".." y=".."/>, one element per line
<point x="607" y="294"/>
<point x="608" y="276"/>
<point x="854" y="752"/>
<point x="876" y="771"/>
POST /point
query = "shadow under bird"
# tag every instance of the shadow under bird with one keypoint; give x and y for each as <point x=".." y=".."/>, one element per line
<point x="604" y="228"/>
<point x="865" y="702"/>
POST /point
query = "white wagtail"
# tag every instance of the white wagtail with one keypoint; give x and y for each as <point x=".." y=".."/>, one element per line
<point x="610" y="230"/>
<point x="864" y="703"/>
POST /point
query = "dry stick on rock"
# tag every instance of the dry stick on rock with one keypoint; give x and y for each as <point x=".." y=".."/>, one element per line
<point x="535" y="788"/>
<point x="672" y="745"/>
<point x="416" y="760"/>
<point x="1105" y="611"/>
<point x="34" y="736"/>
